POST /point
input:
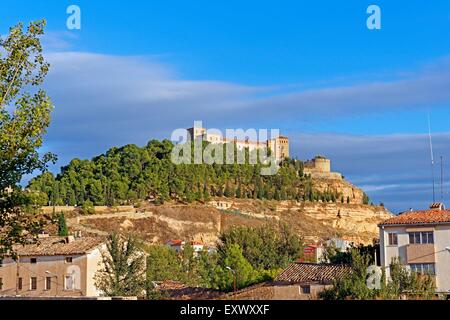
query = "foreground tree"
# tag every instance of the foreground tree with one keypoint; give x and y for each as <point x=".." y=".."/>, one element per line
<point x="124" y="268"/>
<point x="24" y="117"/>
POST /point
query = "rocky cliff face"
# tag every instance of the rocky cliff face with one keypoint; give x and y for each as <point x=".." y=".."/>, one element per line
<point x="355" y="222"/>
<point x="345" y="188"/>
<point x="204" y="222"/>
<point x="316" y="220"/>
<point x="313" y="220"/>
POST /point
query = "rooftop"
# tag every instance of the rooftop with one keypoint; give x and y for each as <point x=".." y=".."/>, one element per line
<point x="53" y="246"/>
<point x="179" y="291"/>
<point x="298" y="272"/>
<point x="419" y="217"/>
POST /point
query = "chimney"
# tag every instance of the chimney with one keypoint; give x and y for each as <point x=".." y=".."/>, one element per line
<point x="437" y="206"/>
<point x="70" y="239"/>
<point x="77" y="234"/>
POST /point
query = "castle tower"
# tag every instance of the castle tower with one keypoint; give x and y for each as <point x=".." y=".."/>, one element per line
<point x="279" y="147"/>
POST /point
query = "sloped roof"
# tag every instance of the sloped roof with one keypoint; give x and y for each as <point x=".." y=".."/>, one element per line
<point x="312" y="272"/>
<point x="179" y="291"/>
<point x="419" y="217"/>
<point x="53" y="246"/>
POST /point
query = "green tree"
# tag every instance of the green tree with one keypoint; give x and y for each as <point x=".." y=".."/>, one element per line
<point x="62" y="226"/>
<point x="366" y="198"/>
<point x="24" y="117"/>
<point x="123" y="273"/>
<point x="163" y="263"/>
<point x="266" y="248"/>
<point x="234" y="259"/>
<point x="88" y="207"/>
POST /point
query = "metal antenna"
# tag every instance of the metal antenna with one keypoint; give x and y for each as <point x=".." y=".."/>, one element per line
<point x="432" y="156"/>
<point x="442" y="182"/>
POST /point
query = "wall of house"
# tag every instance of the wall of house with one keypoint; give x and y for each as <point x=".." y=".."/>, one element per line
<point x="441" y="255"/>
<point x="94" y="264"/>
<point x="442" y="241"/>
<point x="55" y="267"/>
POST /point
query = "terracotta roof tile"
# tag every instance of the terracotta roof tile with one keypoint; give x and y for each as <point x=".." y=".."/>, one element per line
<point x="179" y="291"/>
<point x="53" y="246"/>
<point x="312" y="272"/>
<point x="419" y="217"/>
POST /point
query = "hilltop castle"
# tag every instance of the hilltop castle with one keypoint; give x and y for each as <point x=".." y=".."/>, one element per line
<point x="279" y="145"/>
<point x="320" y="167"/>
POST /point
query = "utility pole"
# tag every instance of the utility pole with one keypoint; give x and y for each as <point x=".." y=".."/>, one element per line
<point x="234" y="282"/>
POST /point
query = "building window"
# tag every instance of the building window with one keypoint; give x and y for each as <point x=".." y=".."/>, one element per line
<point x="423" y="268"/>
<point x="69" y="259"/>
<point x="427" y="237"/>
<point x="19" y="284"/>
<point x="421" y="237"/>
<point x="33" y="260"/>
<point x="69" y="282"/>
<point x="33" y="283"/>
<point x="48" y="283"/>
<point x="305" y="289"/>
<point x="393" y="239"/>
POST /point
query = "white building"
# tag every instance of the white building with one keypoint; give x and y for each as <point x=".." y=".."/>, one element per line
<point x="279" y="145"/>
<point x="421" y="240"/>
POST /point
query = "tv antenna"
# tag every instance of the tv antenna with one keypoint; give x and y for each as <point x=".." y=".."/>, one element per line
<point x="432" y="156"/>
<point x="442" y="181"/>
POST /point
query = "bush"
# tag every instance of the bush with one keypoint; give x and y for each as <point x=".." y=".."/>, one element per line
<point x="88" y="207"/>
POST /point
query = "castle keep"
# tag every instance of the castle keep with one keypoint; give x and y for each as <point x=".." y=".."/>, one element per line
<point x="320" y="167"/>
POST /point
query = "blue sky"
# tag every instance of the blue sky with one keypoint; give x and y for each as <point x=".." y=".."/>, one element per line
<point x="139" y="69"/>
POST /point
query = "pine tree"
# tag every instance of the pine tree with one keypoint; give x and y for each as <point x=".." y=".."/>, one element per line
<point x="228" y="192"/>
<point x="62" y="226"/>
<point x="124" y="268"/>
<point x="238" y="191"/>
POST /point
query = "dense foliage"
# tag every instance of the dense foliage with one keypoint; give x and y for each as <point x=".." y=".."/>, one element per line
<point x="130" y="173"/>
<point x="252" y="254"/>
<point x="24" y="117"/>
<point x="123" y="273"/>
<point x="402" y="282"/>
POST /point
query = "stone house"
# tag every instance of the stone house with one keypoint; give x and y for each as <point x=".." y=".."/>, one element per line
<point x="52" y="267"/>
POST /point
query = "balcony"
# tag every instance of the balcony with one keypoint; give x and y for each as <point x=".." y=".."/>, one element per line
<point x="420" y="253"/>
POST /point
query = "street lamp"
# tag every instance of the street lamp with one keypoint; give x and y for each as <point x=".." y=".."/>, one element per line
<point x="234" y="280"/>
<point x="447" y="248"/>
<point x="56" y="281"/>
